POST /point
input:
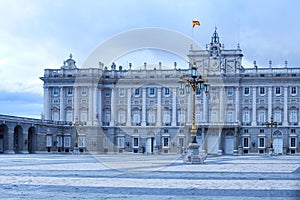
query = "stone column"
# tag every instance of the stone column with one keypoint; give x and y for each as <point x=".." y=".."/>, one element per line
<point x="205" y="110"/>
<point x="236" y="133"/>
<point x="220" y="151"/>
<point x="237" y="104"/>
<point x="128" y="121"/>
<point x="47" y="115"/>
<point x="158" y="113"/>
<point x="112" y="108"/>
<point x="95" y="93"/>
<point x="144" y="107"/>
<point x="222" y="93"/>
<point x="90" y="110"/>
<point x="75" y="104"/>
<point x="61" y="105"/>
<point x="173" y="107"/>
<point x="253" y="122"/>
<point x="99" y="106"/>
<point x="285" y="106"/>
<point x="269" y="102"/>
<point x="9" y="140"/>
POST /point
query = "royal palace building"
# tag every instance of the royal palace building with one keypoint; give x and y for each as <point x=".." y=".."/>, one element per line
<point x="130" y="109"/>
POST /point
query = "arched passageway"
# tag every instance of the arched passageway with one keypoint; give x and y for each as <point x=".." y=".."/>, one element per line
<point x="31" y="139"/>
<point x="18" y="139"/>
<point x="3" y="138"/>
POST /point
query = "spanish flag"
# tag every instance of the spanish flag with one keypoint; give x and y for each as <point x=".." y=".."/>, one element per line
<point x="195" y="23"/>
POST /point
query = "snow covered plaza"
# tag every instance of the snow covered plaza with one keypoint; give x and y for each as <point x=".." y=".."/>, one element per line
<point x="136" y="176"/>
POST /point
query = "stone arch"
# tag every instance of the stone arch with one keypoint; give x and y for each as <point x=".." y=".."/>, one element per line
<point x="31" y="143"/>
<point x="18" y="139"/>
<point x="277" y="133"/>
<point x="3" y="138"/>
<point x="229" y="134"/>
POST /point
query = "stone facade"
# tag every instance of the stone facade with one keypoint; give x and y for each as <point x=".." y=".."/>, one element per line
<point x="143" y="110"/>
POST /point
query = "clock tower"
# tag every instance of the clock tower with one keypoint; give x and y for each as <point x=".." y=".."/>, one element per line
<point x="215" y="59"/>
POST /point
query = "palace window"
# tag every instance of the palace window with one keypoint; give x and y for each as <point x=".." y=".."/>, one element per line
<point x="137" y="92"/>
<point x="165" y="142"/>
<point x="120" y="142"/>
<point x="121" y="92"/>
<point x="230" y="116"/>
<point x="136" y="117"/>
<point x="230" y="91"/>
<point x="181" y="117"/>
<point x="151" y="91"/>
<point x="246" y="142"/>
<point x="261" y="142"/>
<point x="81" y="141"/>
<point x="198" y="116"/>
<point x="181" y="141"/>
<point x="167" y="91"/>
<point x="293" y="116"/>
<point x="55" y="91"/>
<point x="246" y="91"/>
<point x="70" y="91"/>
<point x="59" y="141"/>
<point x="261" y="130"/>
<point x="293" y="90"/>
<point x="49" y="140"/>
<point x="262" y="91"/>
<point x="67" y="141"/>
<point x="246" y="116"/>
<point x="166" y="117"/>
<point x="107" y="92"/>
<point x="84" y="91"/>
<point x="135" y="142"/>
<point x="262" y="116"/>
<point x="151" y="116"/>
<point x="121" y="116"/>
<point x="293" y="142"/>
<point x="277" y="90"/>
<point x="277" y="116"/>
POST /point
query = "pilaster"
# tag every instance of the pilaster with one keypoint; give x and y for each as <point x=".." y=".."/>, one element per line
<point x="173" y="107"/>
<point x="158" y="121"/>
<point x="285" y="106"/>
<point x="112" y="108"/>
<point x="61" y="105"/>
<point x="144" y="107"/>
<point x="128" y="121"/>
<point x="254" y="123"/>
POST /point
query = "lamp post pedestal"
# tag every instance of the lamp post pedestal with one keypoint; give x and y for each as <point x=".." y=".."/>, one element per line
<point x="271" y="152"/>
<point x="193" y="156"/>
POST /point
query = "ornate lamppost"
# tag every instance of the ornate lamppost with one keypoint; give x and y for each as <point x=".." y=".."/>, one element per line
<point x="271" y="124"/>
<point x="76" y="124"/>
<point x="193" y="81"/>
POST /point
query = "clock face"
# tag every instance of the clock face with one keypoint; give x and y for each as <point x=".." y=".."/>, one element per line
<point x="214" y="65"/>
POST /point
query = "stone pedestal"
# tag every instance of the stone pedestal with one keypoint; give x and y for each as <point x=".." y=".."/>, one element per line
<point x="193" y="156"/>
<point x="235" y="152"/>
<point x="272" y="153"/>
<point x="220" y="152"/>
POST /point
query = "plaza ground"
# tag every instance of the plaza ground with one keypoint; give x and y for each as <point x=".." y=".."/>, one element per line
<point x="136" y="176"/>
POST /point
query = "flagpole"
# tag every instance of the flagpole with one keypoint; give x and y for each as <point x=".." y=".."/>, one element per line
<point x="192" y="33"/>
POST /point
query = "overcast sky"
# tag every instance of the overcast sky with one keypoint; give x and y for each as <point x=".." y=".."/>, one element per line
<point x="39" y="34"/>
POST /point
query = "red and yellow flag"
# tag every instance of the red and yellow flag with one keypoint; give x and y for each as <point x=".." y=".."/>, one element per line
<point x="195" y="23"/>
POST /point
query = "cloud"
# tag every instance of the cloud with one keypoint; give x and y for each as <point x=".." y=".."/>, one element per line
<point x="21" y="104"/>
